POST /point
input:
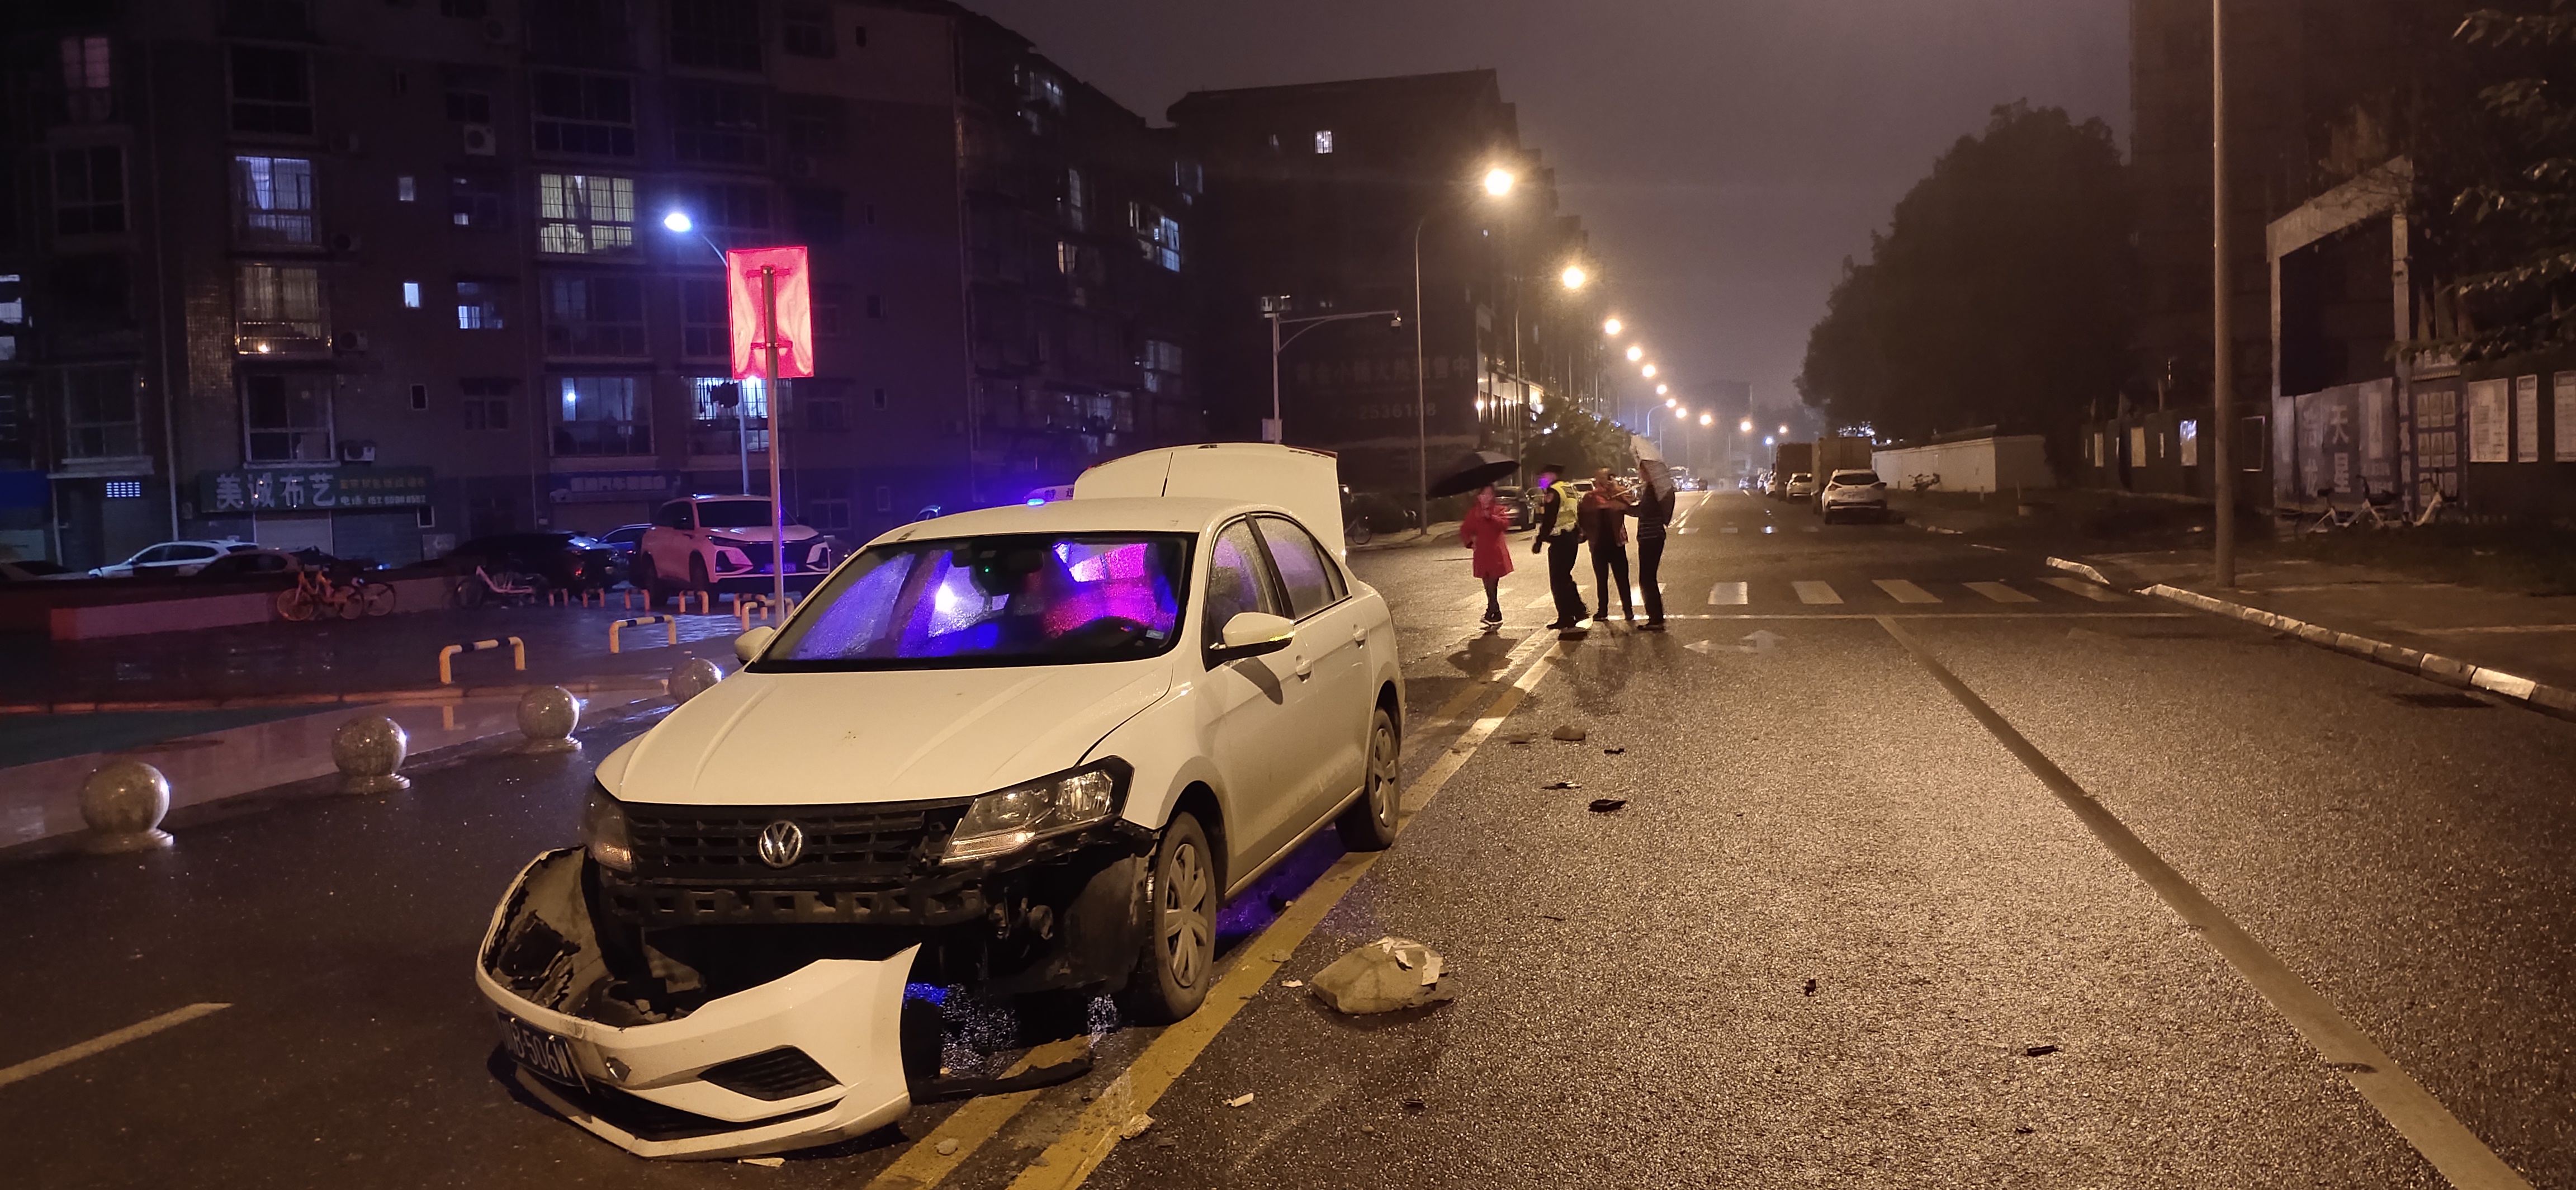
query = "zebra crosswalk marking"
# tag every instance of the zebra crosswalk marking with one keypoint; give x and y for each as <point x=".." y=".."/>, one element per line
<point x="2093" y="591"/>
<point x="2001" y="593"/>
<point x="1726" y="595"/>
<point x="1812" y="592"/>
<point x="1905" y="592"/>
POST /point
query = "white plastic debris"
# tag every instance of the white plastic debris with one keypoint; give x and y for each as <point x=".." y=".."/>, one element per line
<point x="1242" y="1100"/>
<point x="1388" y="975"/>
<point x="767" y="1162"/>
<point x="1136" y="1127"/>
<point x="948" y="1147"/>
<point x="1292" y="983"/>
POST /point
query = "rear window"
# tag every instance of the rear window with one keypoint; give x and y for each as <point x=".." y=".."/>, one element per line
<point x="1855" y="479"/>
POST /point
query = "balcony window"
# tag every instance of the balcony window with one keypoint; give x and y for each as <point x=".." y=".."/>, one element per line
<point x="704" y="323"/>
<point x="806" y="30"/>
<point x="717" y="34"/>
<point x="600" y="415"/>
<point x="474" y="200"/>
<point x="581" y="214"/>
<point x="469" y="107"/>
<point x="286" y="419"/>
<point x="813" y="123"/>
<point x="479" y="306"/>
<point x="275" y="198"/>
<point x="718" y="124"/>
<point x="89" y="190"/>
<point x="88" y="97"/>
<point x="101" y="418"/>
<point x="721" y="429"/>
<point x="270" y="93"/>
<point x="278" y="309"/>
<point x="595" y="317"/>
<point x="585" y="113"/>
<point x="727" y="205"/>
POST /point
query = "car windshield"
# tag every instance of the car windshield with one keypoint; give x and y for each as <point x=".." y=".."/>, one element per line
<point x="1023" y="599"/>
<point x="735" y="514"/>
<point x="1856" y="479"/>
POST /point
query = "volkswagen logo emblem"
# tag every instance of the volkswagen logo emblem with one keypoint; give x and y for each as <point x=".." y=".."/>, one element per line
<point x="781" y="844"/>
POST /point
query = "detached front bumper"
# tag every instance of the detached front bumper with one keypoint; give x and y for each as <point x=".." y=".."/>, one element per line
<point x="809" y="1058"/>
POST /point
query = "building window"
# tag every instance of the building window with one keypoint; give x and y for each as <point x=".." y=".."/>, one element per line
<point x="1324" y="140"/>
<point x="704" y="327"/>
<point x="1164" y="245"/>
<point x="478" y="306"/>
<point x="719" y="34"/>
<point x="805" y="30"/>
<point x="89" y="190"/>
<point x="594" y="316"/>
<point x="486" y="401"/>
<point x="13" y="315"/>
<point x="729" y="205"/>
<point x="419" y="397"/>
<point x="813" y="123"/>
<point x="278" y="308"/>
<point x="585" y="113"/>
<point x="885" y="498"/>
<point x="1162" y="364"/>
<point x="474" y="200"/>
<point x="88" y="97"/>
<point x="816" y="214"/>
<point x="275" y="198"/>
<point x="404" y="190"/>
<point x="731" y="416"/>
<point x="286" y="419"/>
<point x="828" y="509"/>
<point x="824" y="404"/>
<point x="877" y="399"/>
<point x="585" y="213"/>
<point x="125" y="489"/>
<point x="269" y="91"/>
<point x="717" y="124"/>
<point x="831" y="310"/>
<point x="411" y="295"/>
<point x="101" y="418"/>
<point x="469" y="107"/>
<point x="600" y="415"/>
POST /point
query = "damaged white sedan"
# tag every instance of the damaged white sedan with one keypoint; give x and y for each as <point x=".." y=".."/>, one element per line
<point x="1028" y="750"/>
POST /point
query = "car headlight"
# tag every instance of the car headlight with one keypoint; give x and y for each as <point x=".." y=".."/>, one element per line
<point x="1006" y="820"/>
<point x="603" y="832"/>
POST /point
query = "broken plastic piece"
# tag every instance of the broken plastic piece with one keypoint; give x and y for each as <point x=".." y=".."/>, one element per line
<point x="1613" y="751"/>
<point x="948" y="1147"/>
<point x="1562" y="785"/>
<point x="1572" y="734"/>
<point x="2038" y="1051"/>
<point x="1608" y="805"/>
<point x="1292" y="983"/>
<point x="1240" y="1100"/>
<point x="1136" y="1127"/>
<point x="1388" y="975"/>
<point x="769" y="1162"/>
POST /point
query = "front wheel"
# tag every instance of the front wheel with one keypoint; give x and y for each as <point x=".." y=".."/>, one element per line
<point x="379" y="599"/>
<point x="295" y="604"/>
<point x="1358" y="531"/>
<point x="1179" y="959"/>
<point x="1369" y="823"/>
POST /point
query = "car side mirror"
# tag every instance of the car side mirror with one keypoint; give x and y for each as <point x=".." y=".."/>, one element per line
<point x="1252" y="634"/>
<point x="747" y="647"/>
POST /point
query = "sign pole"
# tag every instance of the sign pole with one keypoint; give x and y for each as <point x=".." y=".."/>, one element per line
<point x="777" y="498"/>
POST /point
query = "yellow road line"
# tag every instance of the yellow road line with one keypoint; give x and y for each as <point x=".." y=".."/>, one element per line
<point x="1070" y="1160"/>
<point x="105" y="1042"/>
<point x="923" y="1165"/>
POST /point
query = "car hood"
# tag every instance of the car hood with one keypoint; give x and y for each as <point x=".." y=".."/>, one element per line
<point x="758" y="739"/>
<point x="761" y="533"/>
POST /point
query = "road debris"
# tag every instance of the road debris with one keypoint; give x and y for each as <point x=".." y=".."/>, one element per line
<point x="1136" y="1127"/>
<point x="1242" y="1100"/>
<point x="1562" y="785"/>
<point x="1811" y="987"/>
<point x="1415" y="1106"/>
<point x="2038" y="1051"/>
<point x="948" y="1147"/>
<point x="1608" y="805"/>
<point x="1292" y="983"/>
<point x="1520" y="737"/>
<point x="764" y="1162"/>
<point x="1388" y="975"/>
<point x="1571" y="734"/>
<point x="1613" y="751"/>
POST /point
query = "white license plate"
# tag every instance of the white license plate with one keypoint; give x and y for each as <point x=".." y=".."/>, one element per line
<point x="540" y="1051"/>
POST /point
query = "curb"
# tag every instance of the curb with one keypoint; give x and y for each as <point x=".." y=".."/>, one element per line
<point x="2080" y="569"/>
<point x="2449" y="671"/>
<point x="352" y="698"/>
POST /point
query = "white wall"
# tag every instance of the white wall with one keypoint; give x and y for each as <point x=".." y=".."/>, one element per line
<point x="1977" y="465"/>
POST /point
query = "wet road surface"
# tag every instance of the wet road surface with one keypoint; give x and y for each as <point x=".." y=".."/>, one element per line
<point x="1841" y="934"/>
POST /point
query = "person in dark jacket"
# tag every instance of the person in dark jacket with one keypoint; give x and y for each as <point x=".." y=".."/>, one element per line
<point x="1654" y="511"/>
<point x="1557" y="535"/>
<point x="1603" y="517"/>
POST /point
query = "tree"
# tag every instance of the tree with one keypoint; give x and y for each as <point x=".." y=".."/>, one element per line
<point x="2512" y="225"/>
<point x="2001" y="293"/>
<point x="1575" y="440"/>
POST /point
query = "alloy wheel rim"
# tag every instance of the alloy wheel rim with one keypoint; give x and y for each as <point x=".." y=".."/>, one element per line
<point x="1187" y="937"/>
<point x="1382" y="774"/>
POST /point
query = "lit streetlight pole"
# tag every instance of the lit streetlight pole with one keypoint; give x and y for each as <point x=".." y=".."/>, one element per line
<point x="679" y="223"/>
<point x="1497" y="183"/>
<point x="2222" y="396"/>
<point x="1277" y="430"/>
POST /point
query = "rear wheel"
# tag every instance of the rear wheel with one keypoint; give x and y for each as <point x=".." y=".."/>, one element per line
<point x="1369" y="823"/>
<point x="379" y="599"/>
<point x="698" y="573"/>
<point x="640" y="573"/>
<point x="1179" y="960"/>
<point x="295" y="604"/>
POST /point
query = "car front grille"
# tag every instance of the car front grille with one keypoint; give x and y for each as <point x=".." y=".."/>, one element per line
<point x="844" y="847"/>
<point x="782" y="1073"/>
<point x="802" y="555"/>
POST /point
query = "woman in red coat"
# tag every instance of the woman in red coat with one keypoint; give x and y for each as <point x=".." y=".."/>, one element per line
<point x="1484" y="530"/>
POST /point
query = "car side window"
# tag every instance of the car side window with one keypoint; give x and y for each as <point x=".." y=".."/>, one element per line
<point x="674" y="515"/>
<point x="1303" y="572"/>
<point x="1237" y="582"/>
<point x="158" y="553"/>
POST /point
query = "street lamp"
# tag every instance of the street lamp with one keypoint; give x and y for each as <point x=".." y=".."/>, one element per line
<point x="1498" y="182"/>
<point x="1747" y="427"/>
<point x="1650" y="371"/>
<point x="1574" y="276"/>
<point x="679" y="223"/>
<point x="1635" y="354"/>
<point x="1277" y="430"/>
<point x="2222" y="390"/>
<point x="1613" y="327"/>
<point x="1661" y="389"/>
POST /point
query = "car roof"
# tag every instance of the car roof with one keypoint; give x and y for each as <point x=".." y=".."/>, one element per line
<point x="1102" y="514"/>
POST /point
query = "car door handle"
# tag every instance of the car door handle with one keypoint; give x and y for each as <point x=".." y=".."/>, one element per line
<point x="1305" y="669"/>
<point x="1359" y="636"/>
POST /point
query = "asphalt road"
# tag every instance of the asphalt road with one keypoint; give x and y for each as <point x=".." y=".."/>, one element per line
<point x="1830" y="939"/>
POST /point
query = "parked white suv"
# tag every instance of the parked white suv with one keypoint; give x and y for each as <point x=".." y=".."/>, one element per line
<point x="723" y="543"/>
<point x="1029" y="749"/>
<point x="170" y="559"/>
<point x="1851" y="492"/>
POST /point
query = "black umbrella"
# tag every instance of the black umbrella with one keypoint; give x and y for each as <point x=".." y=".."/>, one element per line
<point x="1478" y="468"/>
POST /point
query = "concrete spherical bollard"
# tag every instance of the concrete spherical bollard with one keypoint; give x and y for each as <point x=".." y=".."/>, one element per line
<point x="547" y="716"/>
<point x="368" y="750"/>
<point x="693" y="677"/>
<point x="123" y="803"/>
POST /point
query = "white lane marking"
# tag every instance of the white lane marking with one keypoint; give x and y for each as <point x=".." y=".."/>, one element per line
<point x="2001" y="593"/>
<point x="1730" y="529"/>
<point x="1541" y="601"/>
<point x="1975" y="546"/>
<point x="1813" y="592"/>
<point x="105" y="1042"/>
<point x="1637" y="592"/>
<point x="2093" y="591"/>
<point x="1726" y="595"/>
<point x="1905" y="592"/>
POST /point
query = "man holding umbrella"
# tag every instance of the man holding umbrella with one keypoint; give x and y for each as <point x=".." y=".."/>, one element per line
<point x="1653" y="510"/>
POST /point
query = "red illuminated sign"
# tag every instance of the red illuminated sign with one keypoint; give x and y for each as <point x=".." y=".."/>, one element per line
<point x="767" y="283"/>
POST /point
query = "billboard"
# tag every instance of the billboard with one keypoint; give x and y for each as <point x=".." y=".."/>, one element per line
<point x="748" y="274"/>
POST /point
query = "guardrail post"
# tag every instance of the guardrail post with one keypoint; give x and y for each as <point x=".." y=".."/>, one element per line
<point x="547" y="716"/>
<point x="670" y="629"/>
<point x="368" y="750"/>
<point x="123" y="803"/>
<point x="518" y="656"/>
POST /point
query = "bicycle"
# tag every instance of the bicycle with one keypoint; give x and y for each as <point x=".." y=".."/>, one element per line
<point x="313" y="594"/>
<point x="509" y="588"/>
<point x="1356" y="531"/>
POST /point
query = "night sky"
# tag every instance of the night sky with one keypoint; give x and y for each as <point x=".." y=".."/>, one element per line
<point x="1726" y="155"/>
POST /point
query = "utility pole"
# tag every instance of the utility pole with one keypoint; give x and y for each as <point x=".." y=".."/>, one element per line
<point x="2221" y="376"/>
